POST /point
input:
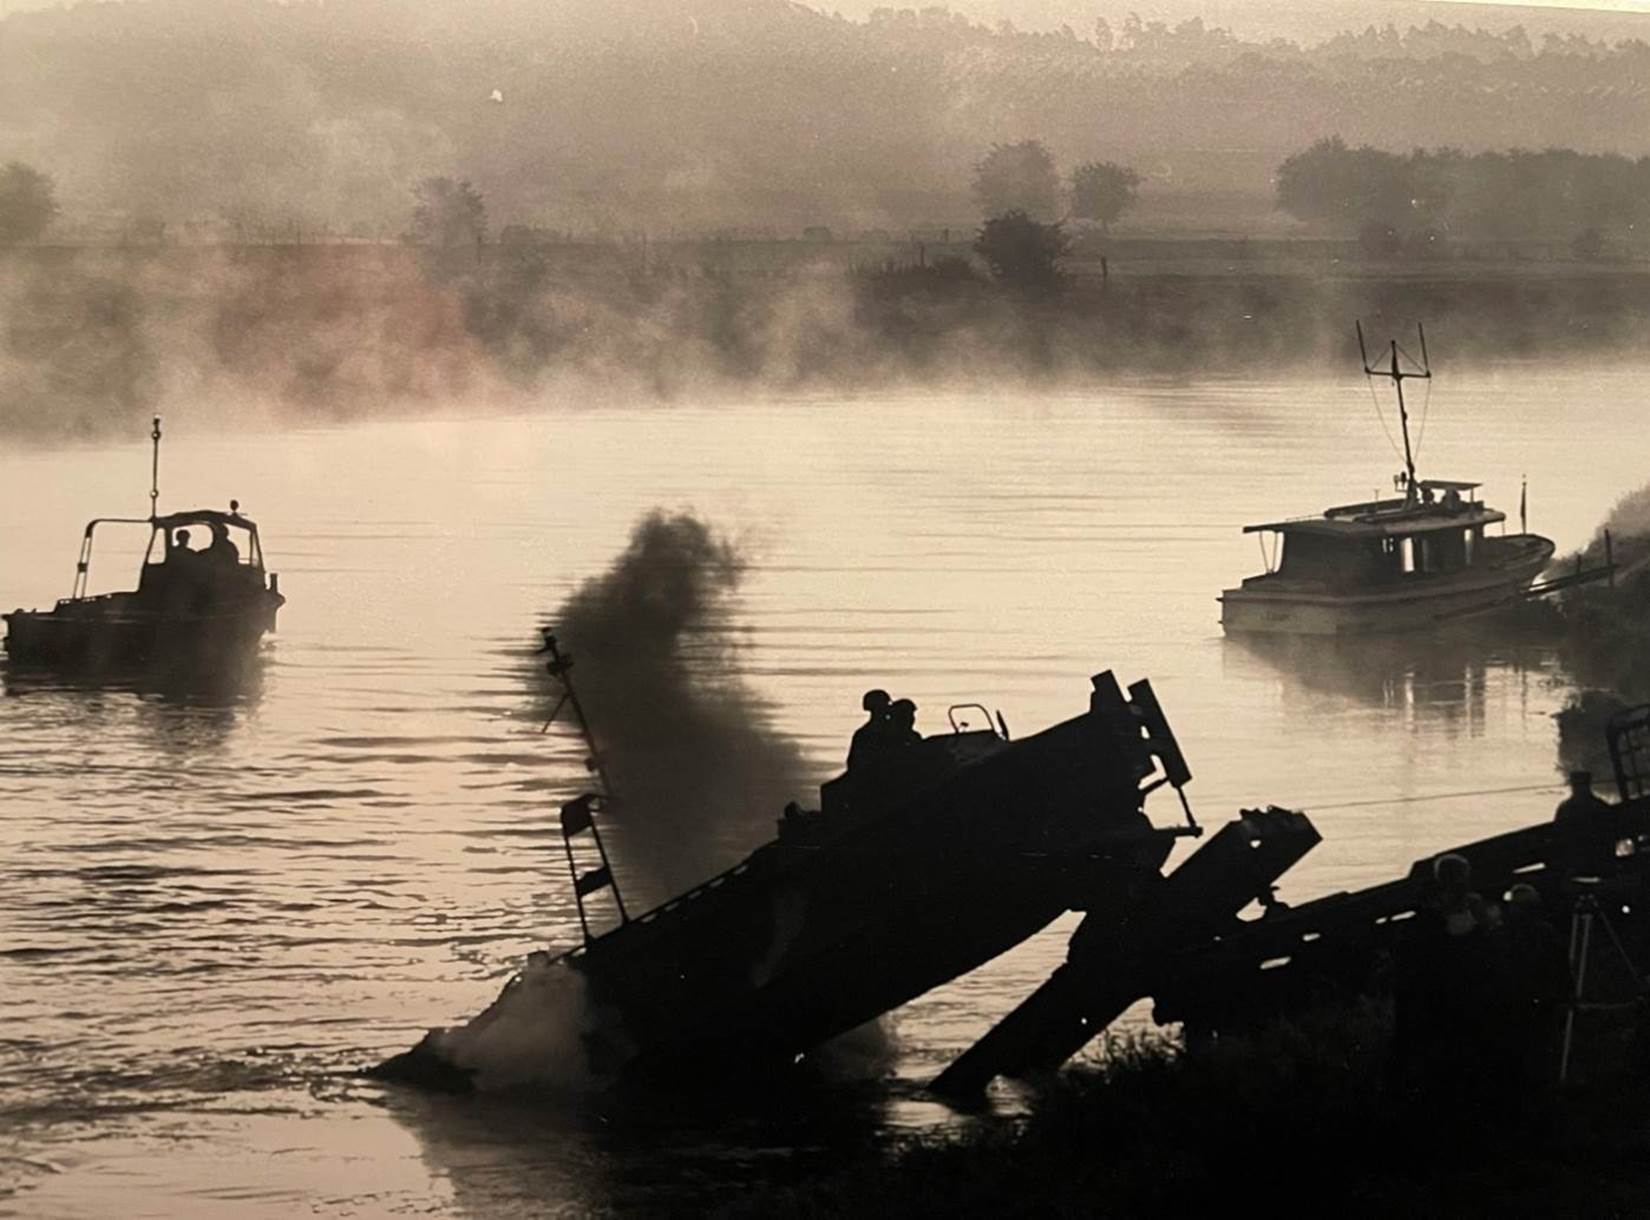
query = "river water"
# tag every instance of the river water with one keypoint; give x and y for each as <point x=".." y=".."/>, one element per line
<point x="211" y="911"/>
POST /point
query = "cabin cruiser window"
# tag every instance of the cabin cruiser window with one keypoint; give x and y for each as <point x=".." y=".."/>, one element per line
<point x="1310" y="557"/>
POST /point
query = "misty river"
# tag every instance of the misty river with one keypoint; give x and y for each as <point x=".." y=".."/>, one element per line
<point x="212" y="911"/>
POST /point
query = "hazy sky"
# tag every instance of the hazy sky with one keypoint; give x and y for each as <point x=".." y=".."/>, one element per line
<point x="1271" y="16"/>
<point x="1294" y="18"/>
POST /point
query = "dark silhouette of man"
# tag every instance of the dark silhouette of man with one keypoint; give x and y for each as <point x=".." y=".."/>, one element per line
<point x="222" y="551"/>
<point x="1539" y="986"/>
<point x="1581" y="803"/>
<point x="870" y="740"/>
<point x="902" y="724"/>
<point x="1447" y="995"/>
<point x="1582" y="851"/>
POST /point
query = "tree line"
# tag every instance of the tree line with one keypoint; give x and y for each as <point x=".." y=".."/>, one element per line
<point x="325" y="113"/>
<point x="1431" y="196"/>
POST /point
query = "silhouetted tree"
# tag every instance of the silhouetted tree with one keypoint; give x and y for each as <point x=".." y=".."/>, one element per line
<point x="1017" y="178"/>
<point x="1378" y="239"/>
<point x="1348" y="186"/>
<point x="1495" y="195"/>
<point x="146" y="230"/>
<point x="1022" y="252"/>
<point x="1587" y="245"/>
<point x="27" y="203"/>
<point x="1102" y="191"/>
<point x="449" y="213"/>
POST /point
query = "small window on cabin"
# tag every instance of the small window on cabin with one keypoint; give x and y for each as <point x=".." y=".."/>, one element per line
<point x="1406" y="554"/>
<point x="1469" y="546"/>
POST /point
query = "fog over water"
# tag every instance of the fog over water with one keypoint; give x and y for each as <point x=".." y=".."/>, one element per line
<point x="208" y="909"/>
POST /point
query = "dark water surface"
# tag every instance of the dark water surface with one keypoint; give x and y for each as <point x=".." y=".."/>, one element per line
<point x="211" y="909"/>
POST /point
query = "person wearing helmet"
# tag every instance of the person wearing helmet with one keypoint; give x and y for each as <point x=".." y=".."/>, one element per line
<point x="902" y="724"/>
<point x="870" y="740"/>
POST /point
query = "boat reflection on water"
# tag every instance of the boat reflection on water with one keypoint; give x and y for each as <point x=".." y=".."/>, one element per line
<point x="171" y="709"/>
<point x="637" y="1152"/>
<point x="1438" y="681"/>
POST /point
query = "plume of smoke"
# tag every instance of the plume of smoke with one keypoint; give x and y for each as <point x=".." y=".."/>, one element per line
<point x="1603" y="634"/>
<point x="698" y="770"/>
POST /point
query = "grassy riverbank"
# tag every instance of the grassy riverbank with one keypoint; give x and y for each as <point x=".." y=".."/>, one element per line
<point x="1297" y="1120"/>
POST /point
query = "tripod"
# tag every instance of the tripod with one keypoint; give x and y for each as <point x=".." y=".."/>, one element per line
<point x="1583" y="918"/>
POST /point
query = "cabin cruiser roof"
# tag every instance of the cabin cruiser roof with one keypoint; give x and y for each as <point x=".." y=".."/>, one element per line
<point x="1380" y="521"/>
<point x="187" y="516"/>
<point x="203" y="516"/>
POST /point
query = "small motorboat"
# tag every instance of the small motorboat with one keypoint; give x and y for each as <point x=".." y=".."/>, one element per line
<point x="196" y="606"/>
<point x="1413" y="562"/>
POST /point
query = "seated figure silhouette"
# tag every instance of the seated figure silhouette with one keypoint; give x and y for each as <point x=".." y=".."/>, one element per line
<point x="871" y="738"/>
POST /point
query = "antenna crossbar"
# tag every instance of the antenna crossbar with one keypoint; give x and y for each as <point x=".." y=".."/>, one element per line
<point x="1395" y="372"/>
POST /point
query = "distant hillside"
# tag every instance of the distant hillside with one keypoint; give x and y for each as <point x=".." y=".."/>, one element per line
<point x="648" y="114"/>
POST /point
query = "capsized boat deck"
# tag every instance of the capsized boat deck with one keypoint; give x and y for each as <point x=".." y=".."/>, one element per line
<point x="901" y="881"/>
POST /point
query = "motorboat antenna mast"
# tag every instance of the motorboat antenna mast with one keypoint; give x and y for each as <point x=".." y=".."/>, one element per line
<point x="1397" y="374"/>
<point x="579" y="814"/>
<point x="154" y="471"/>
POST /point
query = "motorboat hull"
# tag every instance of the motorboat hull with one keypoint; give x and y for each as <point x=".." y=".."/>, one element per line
<point x="1264" y="607"/>
<point x="124" y="631"/>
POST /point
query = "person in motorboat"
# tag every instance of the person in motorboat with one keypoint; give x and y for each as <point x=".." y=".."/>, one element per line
<point x="180" y="553"/>
<point x="222" y="551"/>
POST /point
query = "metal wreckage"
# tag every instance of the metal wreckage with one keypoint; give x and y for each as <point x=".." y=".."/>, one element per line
<point x="910" y="876"/>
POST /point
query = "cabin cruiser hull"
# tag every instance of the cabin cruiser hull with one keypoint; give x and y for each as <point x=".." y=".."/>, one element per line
<point x="120" y="632"/>
<point x="853" y="912"/>
<point x="1270" y="606"/>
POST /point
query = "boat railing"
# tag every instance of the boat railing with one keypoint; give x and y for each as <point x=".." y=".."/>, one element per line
<point x="665" y="908"/>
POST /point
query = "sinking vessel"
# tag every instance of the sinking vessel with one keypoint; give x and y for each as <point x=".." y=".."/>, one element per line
<point x="905" y="878"/>
<point x="198" y="608"/>
<point x="1411" y="562"/>
<point x="907" y="875"/>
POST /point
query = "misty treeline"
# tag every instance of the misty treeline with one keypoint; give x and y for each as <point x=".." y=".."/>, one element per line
<point x="226" y="118"/>
<point x="1022" y="177"/>
<point x="1426" y="198"/>
<point x="28" y="203"/>
<point x="96" y="339"/>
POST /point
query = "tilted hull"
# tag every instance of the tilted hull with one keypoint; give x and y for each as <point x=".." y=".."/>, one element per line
<point x="801" y="943"/>
<point x="1414" y="604"/>
<point x="853" y="912"/>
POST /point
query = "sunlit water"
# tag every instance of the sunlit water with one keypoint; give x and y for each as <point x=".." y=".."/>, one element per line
<point x="210" y="913"/>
